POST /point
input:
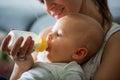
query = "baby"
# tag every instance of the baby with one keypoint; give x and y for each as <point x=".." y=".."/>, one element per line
<point x="73" y="40"/>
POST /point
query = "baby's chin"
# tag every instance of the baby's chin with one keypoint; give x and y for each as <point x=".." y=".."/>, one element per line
<point x="48" y="58"/>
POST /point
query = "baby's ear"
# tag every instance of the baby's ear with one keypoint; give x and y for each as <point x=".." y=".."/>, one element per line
<point x="80" y="53"/>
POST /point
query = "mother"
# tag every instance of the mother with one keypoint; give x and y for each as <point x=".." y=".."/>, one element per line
<point x="106" y="64"/>
<point x="103" y="66"/>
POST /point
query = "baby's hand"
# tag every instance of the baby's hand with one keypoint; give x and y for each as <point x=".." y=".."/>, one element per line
<point x="20" y="55"/>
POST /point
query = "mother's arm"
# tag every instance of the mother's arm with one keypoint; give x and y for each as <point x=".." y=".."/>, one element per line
<point x="110" y="65"/>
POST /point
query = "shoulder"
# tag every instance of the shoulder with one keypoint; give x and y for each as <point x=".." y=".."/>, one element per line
<point x="112" y="40"/>
<point x="72" y="71"/>
<point x="110" y="61"/>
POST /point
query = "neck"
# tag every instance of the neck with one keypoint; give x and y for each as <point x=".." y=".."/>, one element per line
<point x="89" y="8"/>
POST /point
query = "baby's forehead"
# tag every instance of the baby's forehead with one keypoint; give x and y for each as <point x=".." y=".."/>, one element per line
<point x="72" y="24"/>
<point x="77" y="23"/>
<point x="74" y="20"/>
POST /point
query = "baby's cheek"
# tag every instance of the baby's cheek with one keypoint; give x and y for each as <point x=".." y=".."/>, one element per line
<point x="55" y="48"/>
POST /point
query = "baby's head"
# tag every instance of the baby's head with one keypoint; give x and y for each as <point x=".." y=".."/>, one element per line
<point x="74" y="37"/>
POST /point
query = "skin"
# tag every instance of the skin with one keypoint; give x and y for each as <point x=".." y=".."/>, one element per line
<point x="60" y="35"/>
<point x="64" y="43"/>
<point x="59" y="8"/>
<point x="74" y="48"/>
<point x="110" y="64"/>
<point x="16" y="51"/>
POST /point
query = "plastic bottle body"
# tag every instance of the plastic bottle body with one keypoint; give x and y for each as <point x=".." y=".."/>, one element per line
<point x="15" y="34"/>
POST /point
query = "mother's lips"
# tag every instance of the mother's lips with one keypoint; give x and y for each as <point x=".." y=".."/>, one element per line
<point x="57" y="13"/>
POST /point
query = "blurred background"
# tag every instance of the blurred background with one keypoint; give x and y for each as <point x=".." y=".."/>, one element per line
<point x="30" y="15"/>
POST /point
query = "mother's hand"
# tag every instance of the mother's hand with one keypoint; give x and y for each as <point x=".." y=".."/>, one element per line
<point x="20" y="55"/>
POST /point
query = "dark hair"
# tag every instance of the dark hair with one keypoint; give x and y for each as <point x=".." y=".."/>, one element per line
<point x="105" y="12"/>
<point x="42" y="1"/>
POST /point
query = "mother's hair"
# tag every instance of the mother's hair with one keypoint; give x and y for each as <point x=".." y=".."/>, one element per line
<point x="104" y="11"/>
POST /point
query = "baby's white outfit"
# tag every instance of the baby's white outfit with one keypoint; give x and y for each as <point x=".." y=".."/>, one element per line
<point x="54" y="71"/>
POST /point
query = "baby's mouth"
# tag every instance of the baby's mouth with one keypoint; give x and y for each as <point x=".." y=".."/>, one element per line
<point x="48" y="49"/>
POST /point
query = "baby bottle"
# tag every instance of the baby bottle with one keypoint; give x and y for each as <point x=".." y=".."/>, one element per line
<point x="40" y="43"/>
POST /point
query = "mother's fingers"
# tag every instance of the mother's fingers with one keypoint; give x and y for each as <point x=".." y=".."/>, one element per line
<point x="25" y="47"/>
<point x="26" y="50"/>
<point x="15" y="49"/>
<point x="4" y="45"/>
<point x="30" y="48"/>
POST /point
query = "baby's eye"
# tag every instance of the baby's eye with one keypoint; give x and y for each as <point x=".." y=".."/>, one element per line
<point x="59" y="34"/>
<point x="42" y="1"/>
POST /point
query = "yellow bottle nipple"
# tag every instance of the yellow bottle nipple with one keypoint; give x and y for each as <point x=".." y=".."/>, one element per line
<point x="39" y="47"/>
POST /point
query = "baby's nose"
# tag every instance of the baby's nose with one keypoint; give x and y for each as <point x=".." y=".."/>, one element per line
<point x="49" y="37"/>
